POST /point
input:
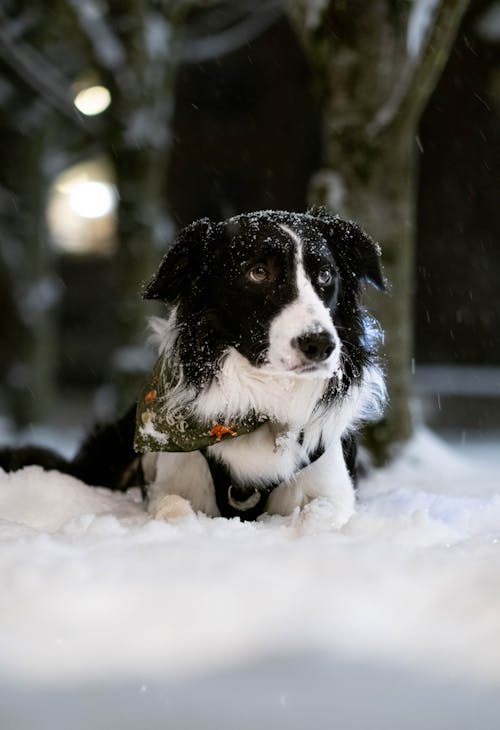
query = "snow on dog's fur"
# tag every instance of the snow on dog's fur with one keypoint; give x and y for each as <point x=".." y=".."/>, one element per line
<point x="265" y="317"/>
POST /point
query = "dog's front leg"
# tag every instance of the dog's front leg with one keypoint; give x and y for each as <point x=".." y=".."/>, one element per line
<point x="180" y="484"/>
<point x="327" y="481"/>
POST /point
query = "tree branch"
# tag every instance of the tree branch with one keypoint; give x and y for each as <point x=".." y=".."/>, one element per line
<point x="40" y="75"/>
<point x="421" y="71"/>
<point x="21" y="24"/>
<point x="226" y="41"/>
<point x="107" y="48"/>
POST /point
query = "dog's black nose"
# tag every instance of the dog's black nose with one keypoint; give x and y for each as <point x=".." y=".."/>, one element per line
<point x="316" y="346"/>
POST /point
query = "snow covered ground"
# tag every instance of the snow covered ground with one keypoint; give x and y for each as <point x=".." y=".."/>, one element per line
<point x="111" y="620"/>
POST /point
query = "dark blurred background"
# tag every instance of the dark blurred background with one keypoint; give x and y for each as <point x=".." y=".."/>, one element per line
<point x="236" y="127"/>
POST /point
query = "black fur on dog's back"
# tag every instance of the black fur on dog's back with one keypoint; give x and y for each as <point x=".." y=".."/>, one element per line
<point x="13" y="459"/>
<point x="106" y="457"/>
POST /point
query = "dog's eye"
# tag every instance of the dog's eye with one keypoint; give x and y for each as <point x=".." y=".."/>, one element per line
<point x="325" y="277"/>
<point x="259" y="273"/>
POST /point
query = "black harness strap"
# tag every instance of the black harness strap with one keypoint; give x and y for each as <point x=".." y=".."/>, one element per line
<point x="245" y="502"/>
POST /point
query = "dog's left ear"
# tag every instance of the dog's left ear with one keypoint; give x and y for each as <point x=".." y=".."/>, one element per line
<point x="180" y="268"/>
<point x="358" y="252"/>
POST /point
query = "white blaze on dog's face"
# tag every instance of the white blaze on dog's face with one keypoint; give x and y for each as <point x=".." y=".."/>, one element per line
<point x="302" y="337"/>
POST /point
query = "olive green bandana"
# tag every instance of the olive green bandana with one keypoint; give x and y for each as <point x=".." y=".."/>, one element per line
<point x="159" y="427"/>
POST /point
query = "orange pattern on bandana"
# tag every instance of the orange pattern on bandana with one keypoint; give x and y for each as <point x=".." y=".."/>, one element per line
<point x="219" y="431"/>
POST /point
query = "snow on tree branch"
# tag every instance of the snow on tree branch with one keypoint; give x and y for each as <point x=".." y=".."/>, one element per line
<point x="419" y="22"/>
<point x="431" y="31"/>
<point x="157" y="37"/>
<point x="107" y="48"/>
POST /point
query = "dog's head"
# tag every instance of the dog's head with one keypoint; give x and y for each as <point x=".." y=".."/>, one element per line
<point x="281" y="288"/>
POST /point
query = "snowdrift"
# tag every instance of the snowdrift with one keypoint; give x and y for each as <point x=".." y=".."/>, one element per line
<point x="110" y="619"/>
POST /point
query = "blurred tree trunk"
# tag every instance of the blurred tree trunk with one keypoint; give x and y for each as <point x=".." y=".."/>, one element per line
<point x="140" y="141"/>
<point x="133" y="47"/>
<point x="375" y="65"/>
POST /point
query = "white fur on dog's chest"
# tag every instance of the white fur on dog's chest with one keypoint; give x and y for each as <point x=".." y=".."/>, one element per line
<point x="269" y="454"/>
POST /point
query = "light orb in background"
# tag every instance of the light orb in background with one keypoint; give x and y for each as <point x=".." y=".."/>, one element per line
<point x="81" y="210"/>
<point x="93" y="100"/>
<point x="91" y="198"/>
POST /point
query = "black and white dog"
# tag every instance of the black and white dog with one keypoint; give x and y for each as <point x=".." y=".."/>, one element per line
<point x="264" y="324"/>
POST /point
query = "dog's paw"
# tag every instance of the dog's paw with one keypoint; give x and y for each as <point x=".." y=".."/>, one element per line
<point x="321" y="515"/>
<point x="171" y="507"/>
<point x="285" y="499"/>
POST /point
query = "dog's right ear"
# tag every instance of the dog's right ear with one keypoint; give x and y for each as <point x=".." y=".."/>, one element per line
<point x="181" y="266"/>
